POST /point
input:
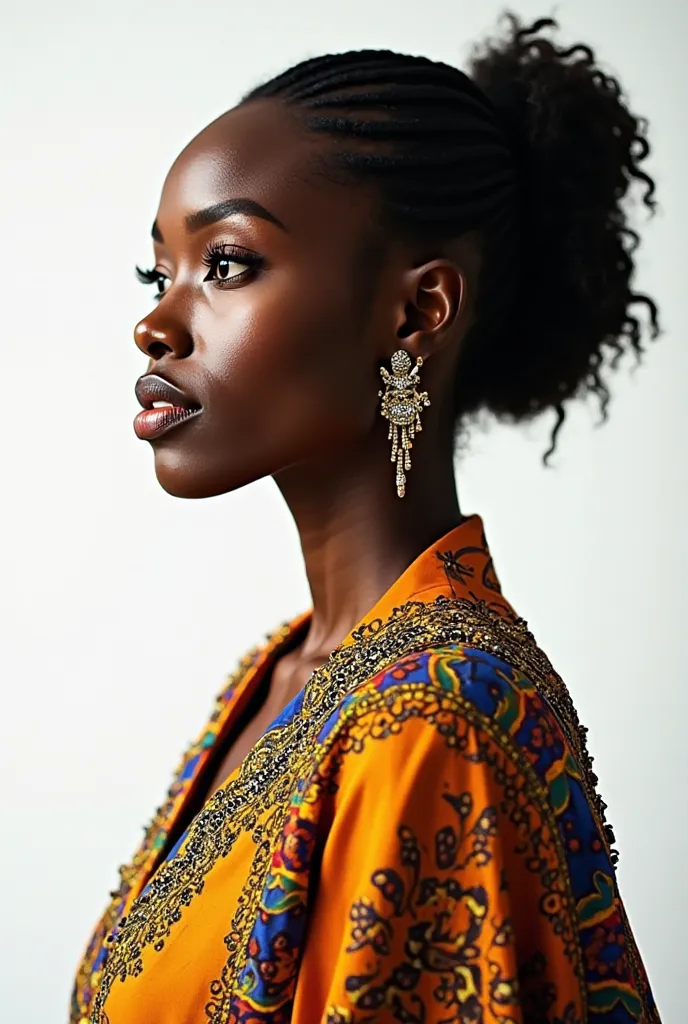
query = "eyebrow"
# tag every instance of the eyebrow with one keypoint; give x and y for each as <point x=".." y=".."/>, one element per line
<point x="220" y="211"/>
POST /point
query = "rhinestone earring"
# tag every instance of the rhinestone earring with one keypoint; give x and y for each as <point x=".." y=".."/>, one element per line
<point x="401" y="405"/>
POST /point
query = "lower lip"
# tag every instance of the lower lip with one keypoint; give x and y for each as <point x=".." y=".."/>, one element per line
<point x="154" y="422"/>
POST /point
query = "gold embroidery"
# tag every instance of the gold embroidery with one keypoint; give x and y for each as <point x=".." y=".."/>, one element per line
<point x="251" y="803"/>
<point x="88" y="979"/>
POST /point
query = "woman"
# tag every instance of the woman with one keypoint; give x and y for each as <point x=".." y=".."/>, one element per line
<point x="391" y="815"/>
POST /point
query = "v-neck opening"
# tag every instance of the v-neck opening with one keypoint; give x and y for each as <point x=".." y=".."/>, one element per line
<point x="198" y="793"/>
<point x="457" y="564"/>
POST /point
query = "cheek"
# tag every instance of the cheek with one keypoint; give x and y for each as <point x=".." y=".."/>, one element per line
<point x="287" y="366"/>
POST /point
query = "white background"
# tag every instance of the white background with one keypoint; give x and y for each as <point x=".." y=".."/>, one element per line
<point x="113" y="641"/>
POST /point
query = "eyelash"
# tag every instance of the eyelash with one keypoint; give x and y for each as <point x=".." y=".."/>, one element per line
<point x="215" y="253"/>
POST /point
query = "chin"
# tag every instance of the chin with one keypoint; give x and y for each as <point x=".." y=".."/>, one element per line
<point x="183" y="476"/>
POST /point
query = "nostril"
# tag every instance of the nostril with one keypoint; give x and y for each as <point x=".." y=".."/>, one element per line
<point x="157" y="338"/>
<point x="157" y="349"/>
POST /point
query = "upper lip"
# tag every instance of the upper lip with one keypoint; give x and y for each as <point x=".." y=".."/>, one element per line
<point x="154" y="388"/>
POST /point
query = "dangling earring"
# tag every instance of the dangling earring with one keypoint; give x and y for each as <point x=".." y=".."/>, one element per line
<point x="401" y="405"/>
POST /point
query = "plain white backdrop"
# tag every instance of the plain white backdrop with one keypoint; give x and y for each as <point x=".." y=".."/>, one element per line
<point x="122" y="609"/>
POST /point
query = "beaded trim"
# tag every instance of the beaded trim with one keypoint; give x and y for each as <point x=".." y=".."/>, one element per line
<point x="88" y="977"/>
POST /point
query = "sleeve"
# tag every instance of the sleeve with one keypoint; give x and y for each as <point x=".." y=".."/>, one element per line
<point x="441" y="895"/>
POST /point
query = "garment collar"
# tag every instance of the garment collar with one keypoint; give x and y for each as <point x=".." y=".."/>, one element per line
<point x="457" y="565"/>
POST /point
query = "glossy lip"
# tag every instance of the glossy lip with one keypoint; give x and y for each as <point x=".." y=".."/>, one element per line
<point x="152" y="422"/>
<point x="154" y="388"/>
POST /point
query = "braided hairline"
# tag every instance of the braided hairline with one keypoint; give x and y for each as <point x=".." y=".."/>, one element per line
<point x="433" y="142"/>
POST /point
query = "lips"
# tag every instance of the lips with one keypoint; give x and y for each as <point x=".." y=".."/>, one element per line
<point x="153" y="388"/>
<point x="154" y="421"/>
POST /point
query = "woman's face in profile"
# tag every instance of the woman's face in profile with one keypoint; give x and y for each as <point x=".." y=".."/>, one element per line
<point x="265" y="316"/>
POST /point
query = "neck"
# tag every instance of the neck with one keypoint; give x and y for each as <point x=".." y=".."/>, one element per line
<point x="358" y="536"/>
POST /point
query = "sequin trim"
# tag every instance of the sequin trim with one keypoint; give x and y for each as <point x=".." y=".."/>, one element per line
<point x="89" y="973"/>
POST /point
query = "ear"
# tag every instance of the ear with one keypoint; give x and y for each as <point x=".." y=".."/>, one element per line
<point x="431" y="306"/>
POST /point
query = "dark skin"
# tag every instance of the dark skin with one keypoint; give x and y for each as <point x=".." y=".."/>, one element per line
<point x="285" y="360"/>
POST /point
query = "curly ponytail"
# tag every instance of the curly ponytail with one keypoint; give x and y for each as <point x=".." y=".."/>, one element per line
<point x="580" y="149"/>
<point x="537" y="150"/>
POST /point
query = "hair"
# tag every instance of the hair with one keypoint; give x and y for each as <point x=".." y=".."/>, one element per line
<point x="535" y="150"/>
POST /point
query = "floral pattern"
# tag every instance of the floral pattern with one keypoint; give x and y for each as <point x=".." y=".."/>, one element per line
<point x="432" y="934"/>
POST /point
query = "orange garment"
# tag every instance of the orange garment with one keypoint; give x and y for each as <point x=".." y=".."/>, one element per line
<point x="415" y="838"/>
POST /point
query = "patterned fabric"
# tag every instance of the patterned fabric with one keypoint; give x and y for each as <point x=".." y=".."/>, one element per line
<point x="414" y="839"/>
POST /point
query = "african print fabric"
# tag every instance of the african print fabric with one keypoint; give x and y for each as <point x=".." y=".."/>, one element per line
<point x="416" y="838"/>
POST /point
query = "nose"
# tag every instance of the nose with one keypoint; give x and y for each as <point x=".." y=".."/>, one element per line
<point x="156" y="336"/>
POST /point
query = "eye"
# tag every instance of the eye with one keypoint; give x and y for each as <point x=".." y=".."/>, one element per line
<point x="228" y="264"/>
<point x="154" y="277"/>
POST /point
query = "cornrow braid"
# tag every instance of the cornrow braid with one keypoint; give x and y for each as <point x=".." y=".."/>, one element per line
<point x="535" y="151"/>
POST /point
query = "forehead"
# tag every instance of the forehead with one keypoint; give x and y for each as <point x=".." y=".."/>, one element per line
<point x="262" y="151"/>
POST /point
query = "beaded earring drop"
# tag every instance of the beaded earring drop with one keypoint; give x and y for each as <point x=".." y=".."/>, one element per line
<point x="401" y="405"/>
